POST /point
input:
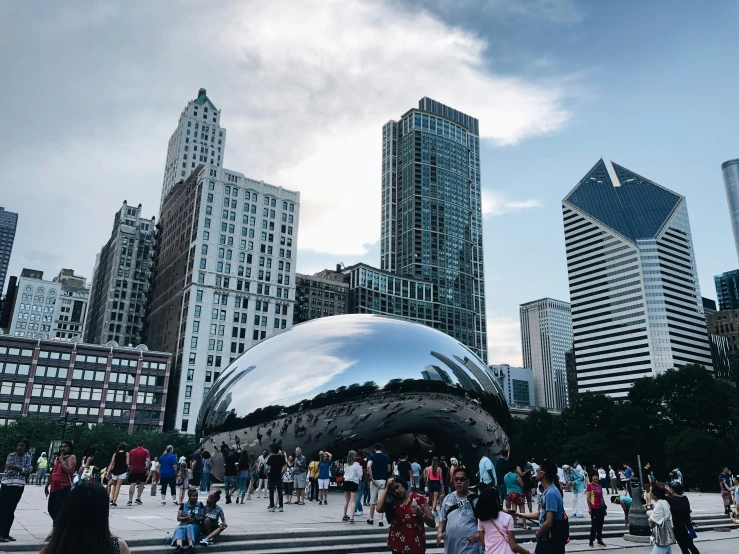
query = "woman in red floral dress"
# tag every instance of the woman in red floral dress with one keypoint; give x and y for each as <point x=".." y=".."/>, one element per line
<point x="410" y="512"/>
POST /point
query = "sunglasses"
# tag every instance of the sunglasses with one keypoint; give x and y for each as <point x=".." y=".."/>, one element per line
<point x="460" y="479"/>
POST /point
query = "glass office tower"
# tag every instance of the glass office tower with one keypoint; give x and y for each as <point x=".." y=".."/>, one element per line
<point x="432" y="216"/>
<point x="730" y="171"/>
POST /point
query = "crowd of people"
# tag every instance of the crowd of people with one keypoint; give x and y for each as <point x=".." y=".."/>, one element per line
<point x="474" y="509"/>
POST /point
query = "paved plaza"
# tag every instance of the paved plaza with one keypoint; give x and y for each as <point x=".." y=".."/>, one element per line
<point x="152" y="520"/>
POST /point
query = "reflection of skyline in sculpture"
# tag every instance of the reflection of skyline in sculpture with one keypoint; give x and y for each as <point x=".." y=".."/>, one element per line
<point x="346" y="382"/>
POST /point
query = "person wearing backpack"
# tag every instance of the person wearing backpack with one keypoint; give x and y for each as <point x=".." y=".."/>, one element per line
<point x="190" y="515"/>
<point x="553" y="533"/>
<point x="458" y="523"/>
<point x="596" y="508"/>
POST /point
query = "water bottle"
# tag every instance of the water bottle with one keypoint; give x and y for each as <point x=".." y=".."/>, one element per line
<point x="167" y="540"/>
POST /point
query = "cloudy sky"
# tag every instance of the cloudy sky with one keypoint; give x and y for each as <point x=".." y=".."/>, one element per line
<point x="93" y="90"/>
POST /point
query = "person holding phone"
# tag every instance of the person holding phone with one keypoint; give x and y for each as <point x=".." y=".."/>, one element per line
<point x="59" y="485"/>
<point x="408" y="513"/>
<point x="190" y="515"/>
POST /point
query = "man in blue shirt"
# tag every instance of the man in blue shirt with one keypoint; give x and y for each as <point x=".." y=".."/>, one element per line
<point x="486" y="469"/>
<point x="628" y="473"/>
<point x="378" y="468"/>
<point x="550" y="539"/>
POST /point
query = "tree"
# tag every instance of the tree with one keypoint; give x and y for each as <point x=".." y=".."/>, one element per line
<point x="695" y="453"/>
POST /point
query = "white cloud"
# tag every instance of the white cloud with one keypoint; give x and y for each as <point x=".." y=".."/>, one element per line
<point x="504" y="340"/>
<point x="304" y="86"/>
<point x="497" y="203"/>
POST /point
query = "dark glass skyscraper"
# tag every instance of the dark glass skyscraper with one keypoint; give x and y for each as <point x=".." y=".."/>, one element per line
<point x="8" y="223"/>
<point x="432" y="216"/>
<point x="727" y="290"/>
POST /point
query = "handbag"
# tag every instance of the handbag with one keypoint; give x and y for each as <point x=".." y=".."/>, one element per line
<point x="663" y="534"/>
<point x="692" y="535"/>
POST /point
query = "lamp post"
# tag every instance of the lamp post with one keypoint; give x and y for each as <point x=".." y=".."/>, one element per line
<point x="638" y="520"/>
<point x="63" y="421"/>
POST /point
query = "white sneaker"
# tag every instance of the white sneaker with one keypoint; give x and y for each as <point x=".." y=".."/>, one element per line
<point x="164" y="502"/>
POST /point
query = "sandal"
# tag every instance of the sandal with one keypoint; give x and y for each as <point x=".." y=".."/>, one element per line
<point x="345" y="518"/>
<point x="351" y="520"/>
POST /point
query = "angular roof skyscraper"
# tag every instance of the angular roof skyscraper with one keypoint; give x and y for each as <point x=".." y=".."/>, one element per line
<point x="636" y="301"/>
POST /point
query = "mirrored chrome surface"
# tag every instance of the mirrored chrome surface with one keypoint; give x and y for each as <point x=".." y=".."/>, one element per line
<point x="346" y="382"/>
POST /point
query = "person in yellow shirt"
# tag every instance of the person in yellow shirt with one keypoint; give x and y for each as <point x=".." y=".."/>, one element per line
<point x="313" y="477"/>
<point x="41" y="464"/>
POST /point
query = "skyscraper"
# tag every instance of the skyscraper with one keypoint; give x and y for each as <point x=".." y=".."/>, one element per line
<point x="8" y="224"/>
<point x="224" y="278"/>
<point x="636" y="301"/>
<point x="198" y="139"/>
<point x="730" y="171"/>
<point x="546" y="336"/>
<point x="120" y="281"/>
<point x="432" y="215"/>
<point x="727" y="290"/>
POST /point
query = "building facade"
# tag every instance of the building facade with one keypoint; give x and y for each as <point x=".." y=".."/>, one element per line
<point x="727" y="290"/>
<point x="120" y="281"/>
<point x="198" y="139"/>
<point x="517" y="384"/>
<point x="95" y="384"/>
<point x="725" y="323"/>
<point x="49" y="309"/>
<point x="636" y="301"/>
<point x="546" y="336"/>
<point x="223" y="278"/>
<point x="571" y="374"/>
<point x="373" y="291"/>
<point x="432" y="216"/>
<point x="730" y="172"/>
<point x="8" y="225"/>
<point x="320" y="295"/>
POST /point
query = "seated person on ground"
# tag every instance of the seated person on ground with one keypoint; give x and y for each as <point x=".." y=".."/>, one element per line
<point x="190" y="516"/>
<point x="213" y="512"/>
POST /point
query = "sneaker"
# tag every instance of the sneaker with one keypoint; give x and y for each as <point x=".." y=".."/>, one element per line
<point x="590" y="544"/>
<point x="191" y="549"/>
<point x="205" y="542"/>
<point x="270" y="509"/>
<point x="129" y="503"/>
<point x="178" y="550"/>
<point x="358" y="514"/>
<point x="175" y="503"/>
<point x="380" y="524"/>
<point x="163" y="503"/>
<point x="320" y="502"/>
<point x="138" y="502"/>
<point x="370" y="521"/>
<point x="237" y="500"/>
<point x="281" y="510"/>
<point x="113" y="505"/>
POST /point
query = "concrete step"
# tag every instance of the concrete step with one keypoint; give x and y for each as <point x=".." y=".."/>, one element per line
<point x="357" y="538"/>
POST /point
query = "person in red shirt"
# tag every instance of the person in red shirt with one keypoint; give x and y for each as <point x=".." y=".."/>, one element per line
<point x="139" y="462"/>
<point x="409" y="512"/>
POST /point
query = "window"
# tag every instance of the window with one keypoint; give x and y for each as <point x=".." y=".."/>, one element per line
<point x="186" y="408"/>
<point x="188" y="391"/>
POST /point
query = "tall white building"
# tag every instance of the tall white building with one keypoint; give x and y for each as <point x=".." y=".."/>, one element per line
<point x="224" y="278"/>
<point x="546" y="336"/>
<point x="636" y="301"/>
<point x="198" y="139"/>
<point x="49" y="309"/>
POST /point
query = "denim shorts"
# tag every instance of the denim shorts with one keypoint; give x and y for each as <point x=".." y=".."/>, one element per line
<point x="230" y="482"/>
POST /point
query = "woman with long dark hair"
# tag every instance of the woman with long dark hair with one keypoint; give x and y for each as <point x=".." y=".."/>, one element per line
<point x="495" y="526"/>
<point x="59" y="485"/>
<point x="244" y="476"/>
<point x="118" y="471"/>
<point x="90" y="533"/>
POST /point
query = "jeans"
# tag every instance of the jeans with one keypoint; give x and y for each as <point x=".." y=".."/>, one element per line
<point x="360" y="492"/>
<point x="366" y="495"/>
<point x="56" y="501"/>
<point x="272" y="486"/>
<point x="243" y="483"/>
<point x="661" y="550"/>
<point x="186" y="532"/>
<point x="596" y="524"/>
<point x="502" y="492"/>
<point x="9" y="498"/>
<point x="205" y="483"/>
